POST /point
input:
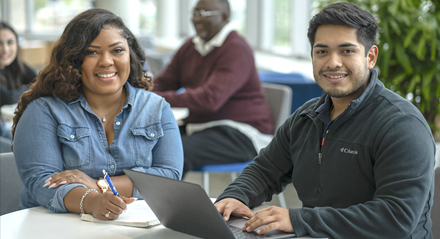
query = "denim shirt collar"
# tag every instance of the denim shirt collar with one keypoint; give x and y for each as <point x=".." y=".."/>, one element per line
<point x="128" y="104"/>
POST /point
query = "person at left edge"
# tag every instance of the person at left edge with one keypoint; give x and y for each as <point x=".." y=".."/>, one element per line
<point x="15" y="75"/>
<point x="90" y="110"/>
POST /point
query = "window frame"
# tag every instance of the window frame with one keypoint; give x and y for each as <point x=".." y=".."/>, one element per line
<point x="174" y="26"/>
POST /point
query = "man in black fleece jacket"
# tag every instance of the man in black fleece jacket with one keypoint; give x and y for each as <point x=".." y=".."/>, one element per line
<point x="360" y="157"/>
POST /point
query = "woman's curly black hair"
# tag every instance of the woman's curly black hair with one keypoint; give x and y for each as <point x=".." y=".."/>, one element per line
<point x="61" y="78"/>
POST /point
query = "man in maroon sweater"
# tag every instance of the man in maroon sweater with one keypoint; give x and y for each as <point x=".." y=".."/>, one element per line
<point x="229" y="119"/>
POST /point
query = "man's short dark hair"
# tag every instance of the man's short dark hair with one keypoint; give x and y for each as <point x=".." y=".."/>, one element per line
<point x="348" y="14"/>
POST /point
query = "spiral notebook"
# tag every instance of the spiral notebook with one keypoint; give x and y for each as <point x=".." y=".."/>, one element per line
<point x="138" y="214"/>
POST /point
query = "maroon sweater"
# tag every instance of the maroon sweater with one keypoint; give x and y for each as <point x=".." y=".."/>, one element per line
<point x="221" y="85"/>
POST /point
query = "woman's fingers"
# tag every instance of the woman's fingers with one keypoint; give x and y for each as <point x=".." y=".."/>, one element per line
<point x="67" y="177"/>
<point x="128" y="200"/>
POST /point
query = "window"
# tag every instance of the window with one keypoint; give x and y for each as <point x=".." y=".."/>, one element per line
<point x="238" y="15"/>
<point x="17" y="15"/>
<point x="282" y="24"/>
<point x="53" y="15"/>
<point x="147" y="16"/>
<point x="272" y="26"/>
<point x="42" y="16"/>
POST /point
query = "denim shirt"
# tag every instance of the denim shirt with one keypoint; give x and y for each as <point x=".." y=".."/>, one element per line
<point x="53" y="136"/>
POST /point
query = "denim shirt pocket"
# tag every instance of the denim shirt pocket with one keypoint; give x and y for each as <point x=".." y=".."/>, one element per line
<point x="75" y="145"/>
<point x="145" y="138"/>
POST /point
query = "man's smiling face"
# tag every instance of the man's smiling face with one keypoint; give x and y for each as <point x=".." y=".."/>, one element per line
<point x="340" y="66"/>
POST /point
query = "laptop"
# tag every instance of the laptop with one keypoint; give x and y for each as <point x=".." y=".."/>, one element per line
<point x="185" y="207"/>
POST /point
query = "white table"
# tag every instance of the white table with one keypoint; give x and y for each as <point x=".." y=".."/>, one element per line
<point x="40" y="222"/>
<point x="7" y="112"/>
<point x="180" y="113"/>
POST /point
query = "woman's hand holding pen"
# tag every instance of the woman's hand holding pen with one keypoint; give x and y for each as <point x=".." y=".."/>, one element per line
<point x="106" y="206"/>
<point x="70" y="176"/>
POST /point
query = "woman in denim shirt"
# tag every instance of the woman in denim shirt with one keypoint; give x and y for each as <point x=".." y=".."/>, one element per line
<point x="90" y="110"/>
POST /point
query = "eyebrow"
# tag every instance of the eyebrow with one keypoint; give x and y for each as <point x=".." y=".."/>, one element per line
<point x="341" y="45"/>
<point x="114" y="44"/>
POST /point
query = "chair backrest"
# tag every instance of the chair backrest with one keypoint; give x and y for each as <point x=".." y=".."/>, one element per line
<point x="279" y="98"/>
<point x="435" y="212"/>
<point x="5" y="145"/>
<point x="303" y="89"/>
<point x="157" y="61"/>
<point x="10" y="184"/>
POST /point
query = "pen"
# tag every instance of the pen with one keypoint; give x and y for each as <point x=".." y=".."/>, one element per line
<point x="110" y="183"/>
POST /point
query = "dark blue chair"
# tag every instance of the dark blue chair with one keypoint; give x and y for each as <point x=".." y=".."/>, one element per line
<point x="303" y="89"/>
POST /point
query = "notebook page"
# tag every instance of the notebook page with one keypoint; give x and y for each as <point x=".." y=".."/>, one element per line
<point x="138" y="214"/>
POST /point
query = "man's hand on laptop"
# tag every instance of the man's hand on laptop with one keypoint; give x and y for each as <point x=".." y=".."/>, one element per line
<point x="269" y="219"/>
<point x="274" y="218"/>
<point x="232" y="206"/>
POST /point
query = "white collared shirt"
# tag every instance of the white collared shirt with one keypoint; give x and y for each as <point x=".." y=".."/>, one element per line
<point x="217" y="41"/>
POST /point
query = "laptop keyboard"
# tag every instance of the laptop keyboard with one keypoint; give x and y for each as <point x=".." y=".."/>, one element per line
<point x="240" y="234"/>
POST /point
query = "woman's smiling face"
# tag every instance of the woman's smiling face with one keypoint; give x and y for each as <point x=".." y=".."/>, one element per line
<point x="106" y="65"/>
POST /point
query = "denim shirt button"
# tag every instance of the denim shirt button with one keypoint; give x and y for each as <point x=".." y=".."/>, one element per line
<point x="152" y="134"/>
<point x="118" y="123"/>
<point x="72" y="136"/>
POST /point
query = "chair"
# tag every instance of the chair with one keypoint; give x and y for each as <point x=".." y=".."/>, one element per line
<point x="10" y="184"/>
<point x="435" y="212"/>
<point x="303" y="89"/>
<point x="279" y="98"/>
<point x="5" y="145"/>
<point x="157" y="61"/>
